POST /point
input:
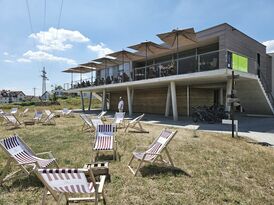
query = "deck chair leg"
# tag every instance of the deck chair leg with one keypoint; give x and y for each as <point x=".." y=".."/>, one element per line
<point x="139" y="166"/>
<point x="44" y="196"/>
<point x="169" y="158"/>
<point x="59" y="199"/>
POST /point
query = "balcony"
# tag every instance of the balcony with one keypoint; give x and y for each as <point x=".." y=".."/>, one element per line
<point x="190" y="64"/>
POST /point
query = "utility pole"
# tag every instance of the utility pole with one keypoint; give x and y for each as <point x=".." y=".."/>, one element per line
<point x="44" y="79"/>
<point x="232" y="104"/>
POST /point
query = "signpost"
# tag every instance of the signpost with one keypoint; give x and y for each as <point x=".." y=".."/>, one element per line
<point x="233" y="101"/>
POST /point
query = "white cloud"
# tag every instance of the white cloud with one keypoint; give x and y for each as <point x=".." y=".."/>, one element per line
<point x="100" y="49"/>
<point x="5" y="53"/>
<point x="23" y="60"/>
<point x="269" y="46"/>
<point x="8" y="61"/>
<point x="43" y="56"/>
<point x="57" y="39"/>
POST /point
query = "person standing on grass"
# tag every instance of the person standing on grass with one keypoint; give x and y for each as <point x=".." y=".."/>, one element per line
<point x="121" y="105"/>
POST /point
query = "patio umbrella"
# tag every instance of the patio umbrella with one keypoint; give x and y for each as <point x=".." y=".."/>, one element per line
<point x="107" y="62"/>
<point x="94" y="66"/>
<point x="149" y="48"/>
<point x="125" y="56"/>
<point x="179" y="37"/>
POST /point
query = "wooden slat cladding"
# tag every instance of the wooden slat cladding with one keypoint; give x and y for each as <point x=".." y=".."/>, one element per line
<point x="153" y="100"/>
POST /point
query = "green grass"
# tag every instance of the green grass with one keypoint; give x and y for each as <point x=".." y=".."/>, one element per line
<point x="222" y="170"/>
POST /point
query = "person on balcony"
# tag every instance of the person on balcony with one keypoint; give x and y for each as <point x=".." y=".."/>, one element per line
<point x="121" y="105"/>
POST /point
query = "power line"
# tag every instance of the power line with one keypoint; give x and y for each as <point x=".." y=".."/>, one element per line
<point x="29" y="16"/>
<point x="59" y="18"/>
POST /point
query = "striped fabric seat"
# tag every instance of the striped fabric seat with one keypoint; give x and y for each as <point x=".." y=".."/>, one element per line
<point x="154" y="151"/>
<point x="95" y="122"/>
<point x="119" y="117"/>
<point x="90" y="124"/>
<point x="11" y="121"/>
<point x="50" y="119"/>
<point x="67" y="180"/>
<point x="38" y="116"/>
<point x="136" y="124"/>
<point x="18" y="151"/>
<point x="13" y="111"/>
<point x="104" y="137"/>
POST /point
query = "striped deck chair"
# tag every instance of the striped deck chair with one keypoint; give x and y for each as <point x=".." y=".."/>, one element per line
<point x="50" y="120"/>
<point x="136" y="124"/>
<point x="11" y="121"/>
<point x="38" y="116"/>
<point x="23" y="114"/>
<point x="90" y="124"/>
<point x="119" y="119"/>
<point x="153" y="152"/>
<point x="19" y="153"/>
<point x="66" y="112"/>
<point x="101" y="115"/>
<point x="1" y="112"/>
<point x="67" y="183"/>
<point x="48" y="112"/>
<point x="105" y="139"/>
<point x="13" y="111"/>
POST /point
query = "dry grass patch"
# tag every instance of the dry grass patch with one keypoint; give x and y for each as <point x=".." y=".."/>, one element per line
<point x="222" y="170"/>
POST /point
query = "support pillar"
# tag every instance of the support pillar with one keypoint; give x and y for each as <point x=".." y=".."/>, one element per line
<point x="104" y="100"/>
<point x="82" y="101"/>
<point x="188" y="100"/>
<point x="228" y="92"/>
<point x="129" y="101"/>
<point x="167" y="102"/>
<point x="174" y="100"/>
<point x="89" y="103"/>
<point x="221" y="96"/>
<point x="132" y="94"/>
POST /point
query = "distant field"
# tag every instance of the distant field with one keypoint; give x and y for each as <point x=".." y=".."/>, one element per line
<point x="222" y="170"/>
<point x="70" y="103"/>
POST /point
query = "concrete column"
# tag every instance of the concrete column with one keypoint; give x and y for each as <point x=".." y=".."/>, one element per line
<point x="221" y="96"/>
<point x="188" y="100"/>
<point x="129" y="101"/>
<point x="132" y="95"/>
<point x="167" y="101"/>
<point x="104" y="100"/>
<point x="228" y="92"/>
<point x="89" y="103"/>
<point x="82" y="101"/>
<point x="174" y="100"/>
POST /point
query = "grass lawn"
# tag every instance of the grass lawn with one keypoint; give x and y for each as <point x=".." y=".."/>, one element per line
<point x="222" y="170"/>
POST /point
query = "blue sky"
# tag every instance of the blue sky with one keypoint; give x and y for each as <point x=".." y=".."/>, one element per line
<point x="90" y="28"/>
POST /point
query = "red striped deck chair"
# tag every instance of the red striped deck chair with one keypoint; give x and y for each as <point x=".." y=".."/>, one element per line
<point x="136" y="124"/>
<point x="38" y="116"/>
<point x="20" y="154"/>
<point x="105" y="139"/>
<point x="153" y="152"/>
<point x="119" y="119"/>
<point x="11" y="121"/>
<point x="68" y="183"/>
<point x="50" y="120"/>
<point x="23" y="114"/>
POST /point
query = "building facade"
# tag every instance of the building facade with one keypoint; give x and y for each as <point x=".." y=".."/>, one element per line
<point x="7" y="96"/>
<point x="197" y="74"/>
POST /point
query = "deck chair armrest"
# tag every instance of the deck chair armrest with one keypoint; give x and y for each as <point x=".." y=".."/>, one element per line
<point x="46" y="153"/>
<point x="101" y="183"/>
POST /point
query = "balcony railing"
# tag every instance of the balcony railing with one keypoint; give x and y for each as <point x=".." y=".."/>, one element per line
<point x="190" y="64"/>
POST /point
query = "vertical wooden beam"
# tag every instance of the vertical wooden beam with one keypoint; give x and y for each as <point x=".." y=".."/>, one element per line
<point x="89" y="103"/>
<point x="221" y="96"/>
<point x="228" y="92"/>
<point x="82" y="101"/>
<point x="129" y="102"/>
<point x="188" y="100"/>
<point x="104" y="100"/>
<point x="174" y="100"/>
<point x="167" y="102"/>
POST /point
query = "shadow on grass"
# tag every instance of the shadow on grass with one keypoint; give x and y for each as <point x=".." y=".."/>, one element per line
<point x="109" y="157"/>
<point x="26" y="182"/>
<point x="265" y="144"/>
<point x="152" y="170"/>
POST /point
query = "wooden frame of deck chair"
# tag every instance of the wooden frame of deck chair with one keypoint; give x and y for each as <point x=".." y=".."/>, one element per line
<point x="23" y="114"/>
<point x="153" y="152"/>
<point x="119" y="119"/>
<point x="136" y="125"/>
<point x="13" y="111"/>
<point x="105" y="140"/>
<point x="19" y="153"/>
<point x="67" y="113"/>
<point x="101" y="115"/>
<point x="48" y="112"/>
<point x="11" y="121"/>
<point x="67" y="183"/>
<point x="50" y="120"/>
<point x="90" y="124"/>
<point x="38" y="116"/>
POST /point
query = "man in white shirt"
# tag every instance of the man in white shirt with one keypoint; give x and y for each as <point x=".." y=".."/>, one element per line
<point x="121" y="105"/>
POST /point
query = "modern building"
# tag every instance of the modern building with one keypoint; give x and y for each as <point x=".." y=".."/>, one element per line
<point x="189" y="69"/>
<point x="7" y="96"/>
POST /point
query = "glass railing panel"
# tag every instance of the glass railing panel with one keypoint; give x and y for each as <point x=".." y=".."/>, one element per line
<point x="188" y="65"/>
<point x="209" y="61"/>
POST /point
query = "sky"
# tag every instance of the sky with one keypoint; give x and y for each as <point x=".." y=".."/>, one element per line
<point x="42" y="33"/>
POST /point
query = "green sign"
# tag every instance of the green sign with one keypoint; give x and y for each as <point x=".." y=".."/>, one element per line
<point x="239" y="63"/>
